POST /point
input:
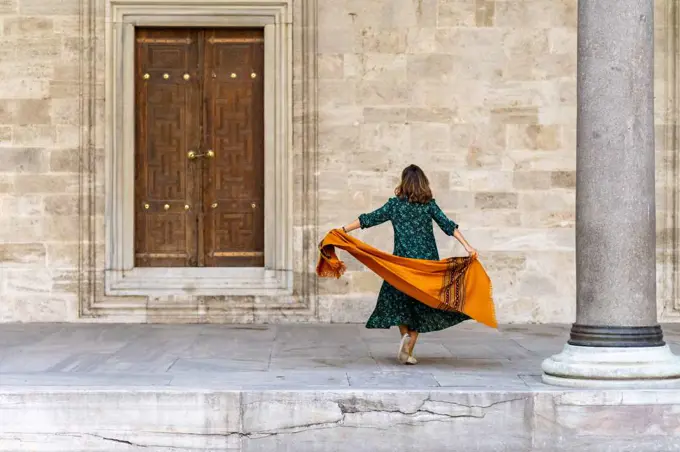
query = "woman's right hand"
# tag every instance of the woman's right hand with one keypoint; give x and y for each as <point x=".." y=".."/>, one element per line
<point x="472" y="252"/>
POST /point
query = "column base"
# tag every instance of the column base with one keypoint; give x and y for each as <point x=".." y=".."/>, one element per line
<point x="613" y="367"/>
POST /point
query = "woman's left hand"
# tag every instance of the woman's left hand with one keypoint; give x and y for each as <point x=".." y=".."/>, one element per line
<point x="472" y="252"/>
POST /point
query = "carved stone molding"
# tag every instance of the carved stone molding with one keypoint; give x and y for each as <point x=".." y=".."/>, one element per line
<point x="286" y="289"/>
<point x="668" y="291"/>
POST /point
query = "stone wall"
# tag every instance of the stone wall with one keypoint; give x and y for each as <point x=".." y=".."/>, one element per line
<point x="39" y="159"/>
<point x="480" y="93"/>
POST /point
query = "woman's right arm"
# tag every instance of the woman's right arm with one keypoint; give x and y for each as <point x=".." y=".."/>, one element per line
<point x="352" y="226"/>
<point x="459" y="236"/>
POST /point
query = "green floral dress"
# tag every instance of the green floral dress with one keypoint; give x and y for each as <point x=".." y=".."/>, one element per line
<point x="414" y="238"/>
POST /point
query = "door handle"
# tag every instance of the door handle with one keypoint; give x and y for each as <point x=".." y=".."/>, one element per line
<point x="191" y="155"/>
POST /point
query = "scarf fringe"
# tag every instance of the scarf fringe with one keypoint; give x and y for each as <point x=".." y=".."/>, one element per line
<point x="329" y="265"/>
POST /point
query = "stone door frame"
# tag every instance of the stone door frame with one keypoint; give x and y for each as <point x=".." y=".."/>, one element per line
<point x="292" y="293"/>
<point x="121" y="277"/>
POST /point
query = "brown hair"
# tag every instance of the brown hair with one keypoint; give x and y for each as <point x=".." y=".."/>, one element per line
<point x="414" y="186"/>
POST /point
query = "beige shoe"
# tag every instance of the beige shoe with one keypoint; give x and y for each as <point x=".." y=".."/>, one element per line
<point x="403" y="355"/>
<point x="411" y="361"/>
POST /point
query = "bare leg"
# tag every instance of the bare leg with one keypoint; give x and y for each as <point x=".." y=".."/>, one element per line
<point x="403" y="329"/>
<point x="403" y="354"/>
<point x="412" y="342"/>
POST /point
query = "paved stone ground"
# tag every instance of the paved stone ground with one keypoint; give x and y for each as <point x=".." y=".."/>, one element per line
<point x="276" y="356"/>
<point x="309" y="388"/>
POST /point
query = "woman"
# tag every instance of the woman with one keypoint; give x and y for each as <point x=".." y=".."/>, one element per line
<point x="411" y="212"/>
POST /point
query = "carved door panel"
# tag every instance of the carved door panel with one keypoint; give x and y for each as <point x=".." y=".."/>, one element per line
<point x="199" y="157"/>
<point x="167" y="186"/>
<point x="233" y="194"/>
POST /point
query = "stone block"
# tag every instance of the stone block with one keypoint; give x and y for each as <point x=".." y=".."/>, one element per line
<point x="541" y="219"/>
<point x="21" y="254"/>
<point x="64" y="256"/>
<point x="388" y="92"/>
<point x="46" y="183"/>
<point x="54" y="8"/>
<point x="431" y="66"/>
<point x="337" y="93"/>
<point x="563" y="179"/>
<point x="20" y="87"/>
<point x="490" y="181"/>
<point x="456" y="200"/>
<point x="31" y="112"/>
<point x="534" y="137"/>
<point x="562" y="40"/>
<point x="642" y="421"/>
<point x="548" y="201"/>
<point x="384" y="114"/>
<point x="491" y="200"/>
<point x="421" y="40"/>
<point x="386" y="40"/>
<point x="526" y="43"/>
<point x="432" y="94"/>
<point x="37" y="308"/>
<point x="64" y="160"/>
<point x="6" y="133"/>
<point x="384" y="67"/>
<point x="331" y="66"/>
<point x="60" y="89"/>
<point x="461" y="41"/>
<point x="68" y="136"/>
<point x="460" y="13"/>
<point x="66" y="72"/>
<point x="337" y="40"/>
<point x="8" y="6"/>
<point x="22" y="205"/>
<point x="442" y="115"/>
<point x="62" y="204"/>
<point x="539" y="13"/>
<point x="15" y="229"/>
<point x="382" y="140"/>
<point x="66" y="25"/>
<point x="214" y="417"/>
<point x="485" y="12"/>
<point x="429" y="137"/>
<point x="515" y="115"/>
<point x="439" y="180"/>
<point x="64" y="112"/>
<point x="365" y="282"/>
<point x="532" y="180"/>
<point x="23" y="160"/>
<point x="25" y="27"/>
<point x="35" y="136"/>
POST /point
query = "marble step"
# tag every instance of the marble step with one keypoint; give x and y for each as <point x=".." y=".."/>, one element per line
<point x="328" y="420"/>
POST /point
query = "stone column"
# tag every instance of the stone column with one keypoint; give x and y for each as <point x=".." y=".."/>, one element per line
<point x="616" y="340"/>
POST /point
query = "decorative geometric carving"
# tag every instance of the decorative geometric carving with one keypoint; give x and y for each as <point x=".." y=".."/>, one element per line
<point x="167" y="123"/>
<point x="173" y="116"/>
<point x="235" y="179"/>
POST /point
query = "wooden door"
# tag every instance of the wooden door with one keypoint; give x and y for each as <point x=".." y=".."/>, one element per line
<point x="201" y="92"/>
<point x="167" y="186"/>
<point x="234" y="117"/>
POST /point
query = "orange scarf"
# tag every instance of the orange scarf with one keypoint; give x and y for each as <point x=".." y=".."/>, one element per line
<point x="454" y="284"/>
